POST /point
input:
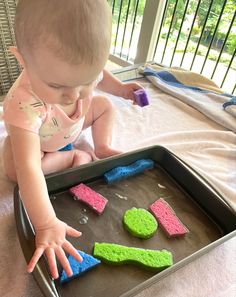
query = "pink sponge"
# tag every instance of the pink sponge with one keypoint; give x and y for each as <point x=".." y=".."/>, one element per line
<point x="93" y="199"/>
<point x="167" y="218"/>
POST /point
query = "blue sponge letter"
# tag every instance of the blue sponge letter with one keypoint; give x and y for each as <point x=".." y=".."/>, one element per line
<point x="122" y="172"/>
<point x="78" y="268"/>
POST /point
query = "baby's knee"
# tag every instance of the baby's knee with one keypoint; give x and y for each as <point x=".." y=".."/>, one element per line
<point x="8" y="162"/>
<point x="80" y="158"/>
<point x="103" y="102"/>
<point x="11" y="174"/>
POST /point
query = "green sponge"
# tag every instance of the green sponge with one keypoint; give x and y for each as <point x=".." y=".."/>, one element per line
<point x="140" y="222"/>
<point x="115" y="254"/>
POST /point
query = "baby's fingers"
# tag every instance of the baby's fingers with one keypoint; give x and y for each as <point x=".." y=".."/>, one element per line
<point x="50" y="254"/>
<point x="64" y="261"/>
<point x="72" y="232"/>
<point x="36" y="256"/>
<point x="68" y="247"/>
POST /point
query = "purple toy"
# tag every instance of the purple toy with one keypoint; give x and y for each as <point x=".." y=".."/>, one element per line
<point x="141" y="97"/>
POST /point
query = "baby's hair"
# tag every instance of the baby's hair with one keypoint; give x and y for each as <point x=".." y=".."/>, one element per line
<point x="78" y="31"/>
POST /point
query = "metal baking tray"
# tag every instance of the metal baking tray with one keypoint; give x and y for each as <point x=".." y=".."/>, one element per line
<point x="205" y="212"/>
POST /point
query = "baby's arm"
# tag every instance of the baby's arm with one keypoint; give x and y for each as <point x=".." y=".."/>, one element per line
<point x="114" y="86"/>
<point x="50" y="232"/>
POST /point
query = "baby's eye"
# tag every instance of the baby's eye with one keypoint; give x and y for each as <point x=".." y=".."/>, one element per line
<point x="54" y="87"/>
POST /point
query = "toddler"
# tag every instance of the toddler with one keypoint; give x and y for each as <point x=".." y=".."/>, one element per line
<point x="63" y="47"/>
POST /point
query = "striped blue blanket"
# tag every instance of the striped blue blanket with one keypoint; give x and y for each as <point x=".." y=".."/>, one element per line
<point x="195" y="90"/>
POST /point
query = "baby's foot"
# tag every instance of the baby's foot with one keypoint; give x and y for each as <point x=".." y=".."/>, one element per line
<point x="106" y="151"/>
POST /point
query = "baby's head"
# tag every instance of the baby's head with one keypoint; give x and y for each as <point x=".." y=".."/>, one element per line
<point x="77" y="31"/>
<point x="63" y="44"/>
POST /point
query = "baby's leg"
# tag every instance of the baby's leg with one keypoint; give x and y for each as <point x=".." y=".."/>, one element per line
<point x="51" y="162"/>
<point x="57" y="161"/>
<point x="100" y="116"/>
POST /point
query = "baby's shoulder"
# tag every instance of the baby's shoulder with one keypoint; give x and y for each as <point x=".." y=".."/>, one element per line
<point x="21" y="103"/>
<point x="23" y="109"/>
<point x="22" y="95"/>
<point x="21" y="91"/>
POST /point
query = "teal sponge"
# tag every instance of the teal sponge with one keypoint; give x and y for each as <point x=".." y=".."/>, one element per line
<point x="115" y="254"/>
<point x="140" y="222"/>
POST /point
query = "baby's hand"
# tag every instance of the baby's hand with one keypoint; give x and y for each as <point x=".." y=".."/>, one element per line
<point x="127" y="90"/>
<point x="52" y="241"/>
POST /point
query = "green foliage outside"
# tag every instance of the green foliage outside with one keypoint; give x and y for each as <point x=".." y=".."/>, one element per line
<point x="196" y="30"/>
<point x="127" y="20"/>
<point x="125" y="5"/>
<point x="210" y="25"/>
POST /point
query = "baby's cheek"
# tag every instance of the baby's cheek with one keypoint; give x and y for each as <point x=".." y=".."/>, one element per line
<point x="46" y="93"/>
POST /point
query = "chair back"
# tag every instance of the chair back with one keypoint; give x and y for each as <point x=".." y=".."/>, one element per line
<point x="9" y="67"/>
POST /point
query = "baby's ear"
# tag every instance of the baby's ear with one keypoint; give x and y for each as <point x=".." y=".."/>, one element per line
<point x="18" y="55"/>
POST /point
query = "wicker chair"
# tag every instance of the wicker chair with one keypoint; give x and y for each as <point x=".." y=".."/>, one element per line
<point x="9" y="67"/>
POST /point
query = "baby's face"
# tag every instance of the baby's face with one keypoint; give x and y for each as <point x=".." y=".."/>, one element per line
<point x="57" y="82"/>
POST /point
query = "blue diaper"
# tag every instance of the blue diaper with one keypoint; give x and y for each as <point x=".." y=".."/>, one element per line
<point x="68" y="147"/>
